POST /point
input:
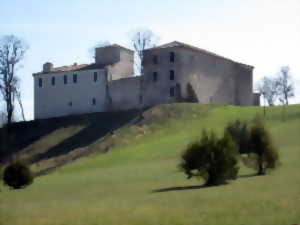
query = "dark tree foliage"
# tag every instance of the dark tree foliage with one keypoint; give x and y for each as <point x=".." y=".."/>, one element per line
<point x="266" y="155"/>
<point x="17" y="175"/>
<point x="239" y="132"/>
<point x="211" y="158"/>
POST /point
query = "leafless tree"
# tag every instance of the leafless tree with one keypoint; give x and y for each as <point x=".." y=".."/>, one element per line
<point x="268" y="89"/>
<point x="141" y="40"/>
<point x="12" y="50"/>
<point x="19" y="99"/>
<point x="285" y="85"/>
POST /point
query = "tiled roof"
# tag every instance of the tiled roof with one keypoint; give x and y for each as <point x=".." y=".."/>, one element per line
<point x="180" y="44"/>
<point x="73" y="67"/>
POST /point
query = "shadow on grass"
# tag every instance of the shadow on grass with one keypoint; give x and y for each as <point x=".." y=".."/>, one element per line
<point x="183" y="188"/>
<point x="180" y="188"/>
<point x="248" y="175"/>
<point x="98" y="125"/>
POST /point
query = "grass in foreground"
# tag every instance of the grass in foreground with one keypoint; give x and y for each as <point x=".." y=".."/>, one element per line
<point x="119" y="187"/>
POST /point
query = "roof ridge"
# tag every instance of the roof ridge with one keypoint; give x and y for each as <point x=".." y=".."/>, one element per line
<point x="181" y="44"/>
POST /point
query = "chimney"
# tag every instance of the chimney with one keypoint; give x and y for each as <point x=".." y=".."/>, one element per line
<point x="47" y="67"/>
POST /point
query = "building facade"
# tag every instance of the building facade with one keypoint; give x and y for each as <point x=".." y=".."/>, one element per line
<point x="174" y="72"/>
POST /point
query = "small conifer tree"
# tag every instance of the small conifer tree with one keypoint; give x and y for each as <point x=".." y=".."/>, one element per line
<point x="213" y="159"/>
<point x="261" y="144"/>
<point x="17" y="175"/>
<point x="239" y="132"/>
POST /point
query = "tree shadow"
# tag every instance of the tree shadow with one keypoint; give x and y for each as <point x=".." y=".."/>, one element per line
<point x="248" y="175"/>
<point x="180" y="188"/>
<point x="98" y="126"/>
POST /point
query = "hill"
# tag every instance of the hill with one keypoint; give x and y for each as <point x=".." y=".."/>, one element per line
<point x="137" y="181"/>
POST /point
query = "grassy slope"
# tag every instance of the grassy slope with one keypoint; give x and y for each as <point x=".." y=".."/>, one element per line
<point x="116" y="188"/>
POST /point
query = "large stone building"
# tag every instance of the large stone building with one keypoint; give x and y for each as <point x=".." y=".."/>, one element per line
<point x="173" y="72"/>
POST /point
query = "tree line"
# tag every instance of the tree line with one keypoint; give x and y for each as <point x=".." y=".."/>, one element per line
<point x="277" y="88"/>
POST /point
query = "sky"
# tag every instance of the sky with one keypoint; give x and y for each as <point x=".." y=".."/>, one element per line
<point x="262" y="33"/>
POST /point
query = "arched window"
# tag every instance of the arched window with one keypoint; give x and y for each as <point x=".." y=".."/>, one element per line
<point x="95" y="76"/>
<point x="172" y="91"/>
<point x="74" y="78"/>
<point x="172" y="57"/>
<point x="53" y="81"/>
<point x="40" y="82"/>
<point x="172" y="75"/>
<point x="65" y="79"/>
<point x="154" y="76"/>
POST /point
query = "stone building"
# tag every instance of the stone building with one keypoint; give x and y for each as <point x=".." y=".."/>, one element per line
<point x="173" y="72"/>
<point x="180" y="72"/>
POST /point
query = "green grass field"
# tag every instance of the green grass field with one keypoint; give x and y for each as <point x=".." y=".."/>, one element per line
<point x="118" y="187"/>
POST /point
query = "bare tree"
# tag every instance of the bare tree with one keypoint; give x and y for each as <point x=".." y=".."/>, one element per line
<point x="12" y="50"/>
<point x="285" y="85"/>
<point x="19" y="99"/>
<point x="140" y="41"/>
<point x="268" y="89"/>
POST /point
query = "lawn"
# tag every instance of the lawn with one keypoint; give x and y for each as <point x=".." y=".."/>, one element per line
<point x="137" y="181"/>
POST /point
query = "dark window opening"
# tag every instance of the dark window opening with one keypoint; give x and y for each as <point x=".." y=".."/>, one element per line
<point x="40" y="82"/>
<point x="154" y="76"/>
<point x="155" y="61"/>
<point x="95" y="76"/>
<point x="65" y="79"/>
<point x="178" y="91"/>
<point x="172" y="91"/>
<point x="141" y="99"/>
<point x="172" y="57"/>
<point x="94" y="101"/>
<point x="74" y="78"/>
<point x="172" y="75"/>
<point x="53" y="81"/>
<point x="70" y="103"/>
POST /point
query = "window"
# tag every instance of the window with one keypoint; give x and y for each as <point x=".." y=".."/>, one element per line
<point x="172" y="57"/>
<point x="172" y="91"/>
<point x="178" y="91"/>
<point x="155" y="61"/>
<point x="74" y="78"/>
<point x="172" y="75"/>
<point x="53" y="81"/>
<point x="94" y="101"/>
<point x="65" y="79"/>
<point x="154" y="76"/>
<point x="95" y="76"/>
<point x="40" y="82"/>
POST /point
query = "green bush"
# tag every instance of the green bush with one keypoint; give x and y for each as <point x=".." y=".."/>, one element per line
<point x="265" y="155"/>
<point x="17" y="175"/>
<point x="239" y="132"/>
<point x="213" y="159"/>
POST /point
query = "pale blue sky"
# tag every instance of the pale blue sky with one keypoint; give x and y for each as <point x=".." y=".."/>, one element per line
<point x="262" y="33"/>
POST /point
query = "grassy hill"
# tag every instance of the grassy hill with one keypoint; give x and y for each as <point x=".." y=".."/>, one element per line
<point x="137" y="181"/>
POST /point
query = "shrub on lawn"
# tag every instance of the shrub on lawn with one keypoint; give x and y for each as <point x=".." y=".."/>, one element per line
<point x="239" y="132"/>
<point x="265" y="155"/>
<point x="213" y="159"/>
<point x="17" y="175"/>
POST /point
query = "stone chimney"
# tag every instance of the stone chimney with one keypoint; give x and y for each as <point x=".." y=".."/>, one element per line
<point x="47" y="67"/>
